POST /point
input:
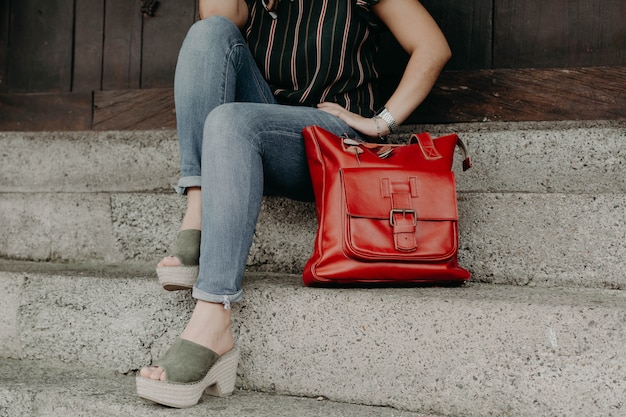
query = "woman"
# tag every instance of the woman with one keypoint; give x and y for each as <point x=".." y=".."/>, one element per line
<point x="250" y="76"/>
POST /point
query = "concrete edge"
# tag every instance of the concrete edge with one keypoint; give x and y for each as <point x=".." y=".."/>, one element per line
<point x="32" y="388"/>
<point x="508" y="157"/>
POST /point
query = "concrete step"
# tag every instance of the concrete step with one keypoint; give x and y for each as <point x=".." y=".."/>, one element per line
<point x="543" y="206"/>
<point x="36" y="389"/>
<point x="474" y="351"/>
<point x="555" y="157"/>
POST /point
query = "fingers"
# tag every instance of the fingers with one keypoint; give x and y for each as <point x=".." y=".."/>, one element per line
<point x="355" y="121"/>
<point x="338" y="111"/>
<point x="332" y="108"/>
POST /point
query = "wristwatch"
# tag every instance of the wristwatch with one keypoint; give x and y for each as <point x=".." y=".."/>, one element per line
<point x="388" y="118"/>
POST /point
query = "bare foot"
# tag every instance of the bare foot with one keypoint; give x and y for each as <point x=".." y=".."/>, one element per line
<point x="209" y="326"/>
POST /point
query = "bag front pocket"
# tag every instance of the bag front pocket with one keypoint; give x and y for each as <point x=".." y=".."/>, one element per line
<point x="399" y="215"/>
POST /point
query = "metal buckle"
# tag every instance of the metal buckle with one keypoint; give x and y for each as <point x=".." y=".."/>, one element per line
<point x="404" y="212"/>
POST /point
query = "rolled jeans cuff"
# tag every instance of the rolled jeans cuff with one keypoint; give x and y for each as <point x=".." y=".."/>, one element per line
<point x="187" y="182"/>
<point x="198" y="294"/>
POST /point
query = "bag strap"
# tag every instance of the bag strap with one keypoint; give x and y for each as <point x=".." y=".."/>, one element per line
<point x="424" y="140"/>
<point x="427" y="144"/>
<point x="467" y="159"/>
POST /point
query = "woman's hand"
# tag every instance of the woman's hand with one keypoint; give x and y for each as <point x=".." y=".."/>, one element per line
<point x="421" y="38"/>
<point x="364" y="125"/>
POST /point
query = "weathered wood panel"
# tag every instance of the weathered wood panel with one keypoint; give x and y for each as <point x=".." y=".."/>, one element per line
<point x="559" y="33"/>
<point x="467" y="26"/>
<point x="162" y="36"/>
<point x="134" y="109"/>
<point x="40" y="54"/>
<point x="4" y="43"/>
<point x="88" y="42"/>
<point x="46" y="111"/>
<point x="458" y="96"/>
<point x="122" y="45"/>
<point x="119" y="50"/>
<point x="526" y="95"/>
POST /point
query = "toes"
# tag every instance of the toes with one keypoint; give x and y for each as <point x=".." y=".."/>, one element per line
<point x="158" y="374"/>
<point x="169" y="261"/>
<point x="146" y="372"/>
<point x="153" y="372"/>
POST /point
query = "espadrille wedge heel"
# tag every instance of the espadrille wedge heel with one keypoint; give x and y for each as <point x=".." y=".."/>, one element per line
<point x="190" y="369"/>
<point x="187" y="250"/>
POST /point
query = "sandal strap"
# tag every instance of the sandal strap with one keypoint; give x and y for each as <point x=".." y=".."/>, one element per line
<point x="186" y="361"/>
<point x="187" y="247"/>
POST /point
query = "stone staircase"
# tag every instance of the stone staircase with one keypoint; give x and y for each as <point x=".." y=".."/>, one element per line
<point x="540" y="330"/>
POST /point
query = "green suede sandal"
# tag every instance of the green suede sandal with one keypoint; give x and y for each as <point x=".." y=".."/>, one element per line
<point x="187" y="250"/>
<point x="190" y="369"/>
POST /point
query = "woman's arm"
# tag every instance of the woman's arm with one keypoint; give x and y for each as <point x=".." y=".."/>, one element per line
<point x="421" y="38"/>
<point x="235" y="10"/>
<point x="419" y="35"/>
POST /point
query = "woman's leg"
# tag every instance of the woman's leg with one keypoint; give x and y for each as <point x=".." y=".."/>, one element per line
<point x="248" y="149"/>
<point x="209" y="326"/>
<point x="214" y="67"/>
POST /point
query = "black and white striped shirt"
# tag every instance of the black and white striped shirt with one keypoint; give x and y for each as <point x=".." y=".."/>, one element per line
<point x="318" y="50"/>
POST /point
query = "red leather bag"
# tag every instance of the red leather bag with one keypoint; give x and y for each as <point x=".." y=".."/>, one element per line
<point x="386" y="213"/>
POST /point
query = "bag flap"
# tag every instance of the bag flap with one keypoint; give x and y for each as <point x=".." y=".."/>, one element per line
<point x="370" y="192"/>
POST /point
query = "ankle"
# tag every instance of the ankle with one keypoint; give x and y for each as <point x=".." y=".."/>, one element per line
<point x="210" y="326"/>
<point x="193" y="215"/>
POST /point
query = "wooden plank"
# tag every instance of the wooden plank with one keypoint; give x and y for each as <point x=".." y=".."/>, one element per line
<point x="4" y="43"/>
<point x="40" y="49"/>
<point x="162" y="36"/>
<point x="121" y="67"/>
<point x="458" y="96"/>
<point x="45" y="111"/>
<point x="134" y="109"/>
<point x="526" y="95"/>
<point x="88" y="44"/>
<point x="559" y="33"/>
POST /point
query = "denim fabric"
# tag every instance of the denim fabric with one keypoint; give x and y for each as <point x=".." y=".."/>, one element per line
<point x="214" y="67"/>
<point x="240" y="144"/>
<point x="248" y="148"/>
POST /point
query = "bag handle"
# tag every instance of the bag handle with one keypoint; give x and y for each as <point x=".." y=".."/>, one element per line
<point x="424" y="140"/>
<point x="427" y="145"/>
<point x="467" y="159"/>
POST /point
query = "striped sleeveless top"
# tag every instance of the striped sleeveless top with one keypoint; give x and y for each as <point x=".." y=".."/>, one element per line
<point x="318" y="50"/>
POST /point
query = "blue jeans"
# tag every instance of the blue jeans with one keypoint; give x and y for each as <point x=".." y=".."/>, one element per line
<point x="237" y="144"/>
